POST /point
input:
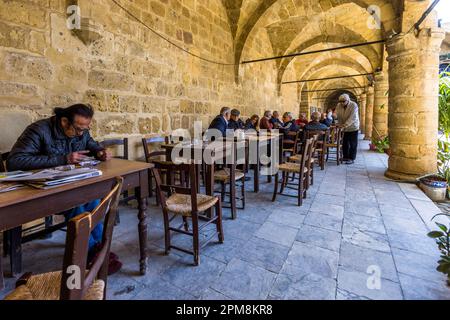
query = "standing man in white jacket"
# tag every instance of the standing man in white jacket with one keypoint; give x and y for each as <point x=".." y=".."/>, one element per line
<point x="348" y="117"/>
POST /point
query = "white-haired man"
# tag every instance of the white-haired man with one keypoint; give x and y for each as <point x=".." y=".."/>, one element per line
<point x="347" y="114"/>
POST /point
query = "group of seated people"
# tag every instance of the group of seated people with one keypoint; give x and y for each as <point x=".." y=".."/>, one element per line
<point x="229" y="119"/>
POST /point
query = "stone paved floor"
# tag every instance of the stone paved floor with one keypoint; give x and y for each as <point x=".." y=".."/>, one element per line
<point x="354" y="224"/>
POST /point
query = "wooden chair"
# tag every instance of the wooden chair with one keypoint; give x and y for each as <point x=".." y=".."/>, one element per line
<point x="335" y="143"/>
<point x="184" y="201"/>
<point x="292" y="145"/>
<point x="152" y="156"/>
<point x="92" y="281"/>
<point x="229" y="173"/>
<point x="319" y="147"/>
<point x="301" y="169"/>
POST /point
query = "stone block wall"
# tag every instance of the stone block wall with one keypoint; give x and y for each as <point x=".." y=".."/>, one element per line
<point x="138" y="83"/>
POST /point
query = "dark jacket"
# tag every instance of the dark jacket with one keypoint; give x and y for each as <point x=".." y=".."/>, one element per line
<point x="316" y="126"/>
<point x="326" y="122"/>
<point x="277" y="123"/>
<point x="43" y="144"/>
<point x="219" y="123"/>
<point x="249" y="125"/>
<point x="235" y="125"/>
<point x="287" y="127"/>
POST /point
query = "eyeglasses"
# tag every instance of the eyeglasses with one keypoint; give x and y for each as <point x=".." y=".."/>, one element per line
<point x="80" y="131"/>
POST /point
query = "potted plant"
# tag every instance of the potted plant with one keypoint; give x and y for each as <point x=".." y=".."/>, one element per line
<point x="381" y="145"/>
<point x="442" y="238"/>
<point x="444" y="127"/>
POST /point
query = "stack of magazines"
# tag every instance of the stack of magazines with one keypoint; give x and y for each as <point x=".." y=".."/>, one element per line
<point x="45" y="179"/>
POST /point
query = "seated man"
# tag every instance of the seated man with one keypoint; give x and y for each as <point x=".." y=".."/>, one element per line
<point x="325" y="120"/>
<point x="315" y="124"/>
<point x="275" y="120"/>
<point x="235" y="122"/>
<point x="252" y="122"/>
<point x="60" y="140"/>
<point x="265" y="123"/>
<point x="220" y="122"/>
<point x="289" y="126"/>
<point x="302" y="121"/>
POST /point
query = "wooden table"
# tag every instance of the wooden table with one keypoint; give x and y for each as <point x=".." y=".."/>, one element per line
<point x="262" y="140"/>
<point x="29" y="204"/>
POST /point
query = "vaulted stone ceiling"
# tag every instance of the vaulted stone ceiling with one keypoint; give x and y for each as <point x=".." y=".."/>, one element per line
<point x="304" y="25"/>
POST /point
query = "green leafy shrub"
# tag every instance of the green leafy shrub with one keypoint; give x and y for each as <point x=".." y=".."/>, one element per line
<point x="442" y="238"/>
<point x="381" y="144"/>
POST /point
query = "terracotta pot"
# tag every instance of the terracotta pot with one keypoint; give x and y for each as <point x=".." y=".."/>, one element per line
<point x="372" y="147"/>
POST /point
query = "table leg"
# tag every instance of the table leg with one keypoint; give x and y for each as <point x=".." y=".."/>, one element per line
<point x="2" y="282"/>
<point x="15" y="254"/>
<point x="142" y="227"/>
<point x="233" y="191"/>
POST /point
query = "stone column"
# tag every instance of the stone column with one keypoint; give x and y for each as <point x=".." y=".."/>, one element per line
<point x="369" y="114"/>
<point x="381" y="103"/>
<point x="362" y="107"/>
<point x="413" y="103"/>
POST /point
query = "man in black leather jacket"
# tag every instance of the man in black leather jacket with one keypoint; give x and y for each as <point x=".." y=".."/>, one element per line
<point x="59" y="140"/>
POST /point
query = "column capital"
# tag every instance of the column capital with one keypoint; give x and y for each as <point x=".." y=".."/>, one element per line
<point x="429" y="38"/>
<point x="370" y="90"/>
<point x="381" y="76"/>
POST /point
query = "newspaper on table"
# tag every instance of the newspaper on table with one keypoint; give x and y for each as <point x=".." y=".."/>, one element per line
<point x="10" y="186"/>
<point x="49" y="178"/>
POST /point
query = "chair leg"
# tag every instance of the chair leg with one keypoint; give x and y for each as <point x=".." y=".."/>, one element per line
<point x="243" y="193"/>
<point x="150" y="185"/>
<point x="338" y="155"/>
<point x="300" y="189"/>
<point x="275" y="190"/>
<point x="233" y="200"/>
<point x="166" y="232"/>
<point x="195" y="239"/>
<point x="219" y="226"/>
<point x="304" y="189"/>
<point x="185" y="223"/>
<point x="222" y="191"/>
<point x="285" y="178"/>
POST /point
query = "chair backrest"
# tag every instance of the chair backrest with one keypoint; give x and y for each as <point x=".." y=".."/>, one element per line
<point x="307" y="148"/>
<point x="76" y="252"/>
<point x="3" y="157"/>
<point x="117" y="142"/>
<point x="298" y="141"/>
<point x="322" y="135"/>
<point x="151" y="155"/>
<point x="335" y="135"/>
<point x="190" y="187"/>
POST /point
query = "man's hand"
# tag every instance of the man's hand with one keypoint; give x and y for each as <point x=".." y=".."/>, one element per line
<point x="77" y="157"/>
<point x="104" y="155"/>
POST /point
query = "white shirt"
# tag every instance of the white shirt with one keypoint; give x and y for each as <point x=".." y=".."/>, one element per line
<point x="348" y="116"/>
